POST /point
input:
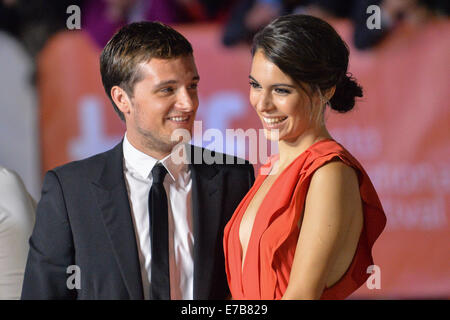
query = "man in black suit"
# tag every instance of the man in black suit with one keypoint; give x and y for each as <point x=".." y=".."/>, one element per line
<point x="135" y="222"/>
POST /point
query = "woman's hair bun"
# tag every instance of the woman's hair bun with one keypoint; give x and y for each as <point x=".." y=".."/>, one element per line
<point x="344" y="96"/>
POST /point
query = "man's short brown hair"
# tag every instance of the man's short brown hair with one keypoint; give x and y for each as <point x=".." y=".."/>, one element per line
<point x="133" y="44"/>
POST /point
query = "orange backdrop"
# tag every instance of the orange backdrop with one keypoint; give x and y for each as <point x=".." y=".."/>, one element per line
<point x="399" y="131"/>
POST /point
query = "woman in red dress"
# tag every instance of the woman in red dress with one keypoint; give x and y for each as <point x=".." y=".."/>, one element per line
<point x="306" y="228"/>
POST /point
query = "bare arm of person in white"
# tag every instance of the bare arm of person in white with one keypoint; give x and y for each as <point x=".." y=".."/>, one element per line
<point x="17" y="216"/>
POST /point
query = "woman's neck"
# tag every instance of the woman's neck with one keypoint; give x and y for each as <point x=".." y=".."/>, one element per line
<point x="289" y="150"/>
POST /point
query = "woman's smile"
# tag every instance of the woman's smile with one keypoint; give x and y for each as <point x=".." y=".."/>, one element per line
<point x="273" y="122"/>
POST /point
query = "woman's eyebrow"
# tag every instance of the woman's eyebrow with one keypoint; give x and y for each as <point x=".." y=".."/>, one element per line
<point x="275" y="84"/>
<point x="283" y="85"/>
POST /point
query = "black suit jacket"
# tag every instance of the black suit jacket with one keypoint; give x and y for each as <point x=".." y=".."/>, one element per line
<point x="84" y="219"/>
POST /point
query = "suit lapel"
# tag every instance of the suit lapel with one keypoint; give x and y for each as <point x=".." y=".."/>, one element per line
<point x="206" y="208"/>
<point x="112" y="199"/>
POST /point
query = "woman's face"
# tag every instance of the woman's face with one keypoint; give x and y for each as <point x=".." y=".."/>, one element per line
<point x="281" y="104"/>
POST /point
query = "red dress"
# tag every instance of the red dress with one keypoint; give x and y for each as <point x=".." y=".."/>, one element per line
<point x="271" y="248"/>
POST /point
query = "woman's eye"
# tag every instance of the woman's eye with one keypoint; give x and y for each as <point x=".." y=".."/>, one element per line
<point x="282" y="91"/>
<point x="254" y="84"/>
<point x="194" y="86"/>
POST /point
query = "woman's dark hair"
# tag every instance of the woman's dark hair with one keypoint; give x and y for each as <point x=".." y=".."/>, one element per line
<point x="309" y="50"/>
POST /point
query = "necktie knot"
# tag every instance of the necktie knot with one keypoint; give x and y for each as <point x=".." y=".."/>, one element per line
<point x="158" y="173"/>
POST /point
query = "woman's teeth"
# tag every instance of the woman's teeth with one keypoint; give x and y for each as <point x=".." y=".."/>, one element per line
<point x="274" y="120"/>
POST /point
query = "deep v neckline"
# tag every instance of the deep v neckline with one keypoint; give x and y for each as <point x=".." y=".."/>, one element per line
<point x="255" y="188"/>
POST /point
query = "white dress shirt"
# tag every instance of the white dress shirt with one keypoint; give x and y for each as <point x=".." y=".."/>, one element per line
<point x="178" y="185"/>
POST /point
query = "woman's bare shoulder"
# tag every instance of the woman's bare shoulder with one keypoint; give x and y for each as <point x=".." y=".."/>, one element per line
<point x="338" y="183"/>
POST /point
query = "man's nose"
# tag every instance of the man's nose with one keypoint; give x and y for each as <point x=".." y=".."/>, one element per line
<point x="187" y="101"/>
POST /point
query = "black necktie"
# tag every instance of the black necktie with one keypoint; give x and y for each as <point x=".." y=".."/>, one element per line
<point x="159" y="225"/>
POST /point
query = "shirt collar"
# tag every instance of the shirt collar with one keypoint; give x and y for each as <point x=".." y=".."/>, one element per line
<point x="143" y="164"/>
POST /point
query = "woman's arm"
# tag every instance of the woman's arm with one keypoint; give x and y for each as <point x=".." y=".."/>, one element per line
<point x="333" y="199"/>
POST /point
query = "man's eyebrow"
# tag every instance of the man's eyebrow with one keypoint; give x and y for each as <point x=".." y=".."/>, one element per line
<point x="164" y="83"/>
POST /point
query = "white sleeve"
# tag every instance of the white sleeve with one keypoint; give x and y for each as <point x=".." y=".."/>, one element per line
<point x="17" y="216"/>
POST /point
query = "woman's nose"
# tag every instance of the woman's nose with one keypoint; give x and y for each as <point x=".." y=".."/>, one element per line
<point x="264" y="102"/>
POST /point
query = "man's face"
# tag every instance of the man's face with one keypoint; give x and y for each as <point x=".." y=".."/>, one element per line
<point x="163" y="101"/>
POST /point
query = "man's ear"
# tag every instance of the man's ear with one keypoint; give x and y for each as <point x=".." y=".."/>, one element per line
<point x="121" y="99"/>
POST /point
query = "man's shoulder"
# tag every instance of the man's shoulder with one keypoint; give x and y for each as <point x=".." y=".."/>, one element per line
<point x="88" y="166"/>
